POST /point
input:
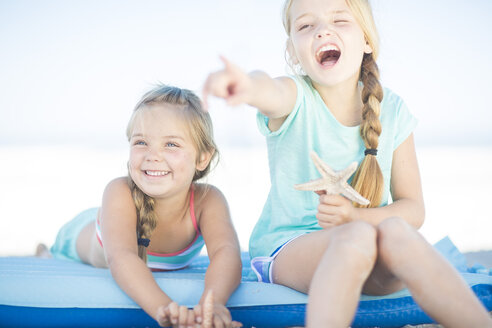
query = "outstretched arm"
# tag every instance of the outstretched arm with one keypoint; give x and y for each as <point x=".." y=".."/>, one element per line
<point x="275" y="98"/>
<point x="118" y="221"/>
<point x="224" y="272"/>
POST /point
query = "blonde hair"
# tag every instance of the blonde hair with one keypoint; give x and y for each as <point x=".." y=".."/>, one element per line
<point x="368" y="179"/>
<point x="201" y="132"/>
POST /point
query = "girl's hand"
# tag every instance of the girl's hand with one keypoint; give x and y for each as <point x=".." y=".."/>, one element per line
<point x="175" y="316"/>
<point x="334" y="210"/>
<point x="230" y="83"/>
<point x="221" y="317"/>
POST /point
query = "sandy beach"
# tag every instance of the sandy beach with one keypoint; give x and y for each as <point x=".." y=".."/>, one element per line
<point x="38" y="199"/>
<point x="66" y="180"/>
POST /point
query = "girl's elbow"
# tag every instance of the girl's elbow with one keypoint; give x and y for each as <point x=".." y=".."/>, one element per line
<point x="238" y="272"/>
<point x="113" y="262"/>
<point x="239" y="268"/>
<point x="420" y="216"/>
<point x="118" y="258"/>
<point x="229" y="255"/>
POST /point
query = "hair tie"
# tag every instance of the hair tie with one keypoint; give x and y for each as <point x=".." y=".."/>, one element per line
<point x="143" y="242"/>
<point x="371" y="151"/>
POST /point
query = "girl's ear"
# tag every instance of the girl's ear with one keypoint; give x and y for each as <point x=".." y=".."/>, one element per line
<point x="204" y="160"/>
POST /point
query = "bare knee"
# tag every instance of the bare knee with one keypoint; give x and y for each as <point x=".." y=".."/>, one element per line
<point x="396" y="229"/>
<point x="397" y="239"/>
<point x="355" y="240"/>
<point x="355" y="232"/>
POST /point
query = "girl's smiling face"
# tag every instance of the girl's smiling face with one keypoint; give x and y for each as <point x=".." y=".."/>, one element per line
<point x="326" y="40"/>
<point x="163" y="157"/>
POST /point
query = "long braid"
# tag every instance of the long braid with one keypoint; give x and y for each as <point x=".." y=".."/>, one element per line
<point x="368" y="180"/>
<point x="146" y="218"/>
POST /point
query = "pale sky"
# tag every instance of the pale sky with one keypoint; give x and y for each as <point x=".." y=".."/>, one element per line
<point x="71" y="71"/>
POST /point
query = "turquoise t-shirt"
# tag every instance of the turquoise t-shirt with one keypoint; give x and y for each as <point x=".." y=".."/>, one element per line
<point x="311" y="126"/>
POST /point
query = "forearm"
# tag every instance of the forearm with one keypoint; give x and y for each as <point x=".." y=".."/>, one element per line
<point x="410" y="210"/>
<point x="223" y="274"/>
<point x="136" y="280"/>
<point x="270" y="96"/>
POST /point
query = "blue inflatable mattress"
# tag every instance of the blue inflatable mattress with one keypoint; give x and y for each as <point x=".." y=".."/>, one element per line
<point x="37" y="292"/>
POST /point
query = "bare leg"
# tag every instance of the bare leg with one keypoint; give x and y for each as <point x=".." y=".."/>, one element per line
<point x="331" y="265"/>
<point x="88" y="247"/>
<point x="434" y="283"/>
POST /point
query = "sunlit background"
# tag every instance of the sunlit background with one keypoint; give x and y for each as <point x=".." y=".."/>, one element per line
<point x="71" y="72"/>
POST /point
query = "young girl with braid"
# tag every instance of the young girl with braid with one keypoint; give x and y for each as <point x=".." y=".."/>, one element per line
<point x="323" y="244"/>
<point x="159" y="217"/>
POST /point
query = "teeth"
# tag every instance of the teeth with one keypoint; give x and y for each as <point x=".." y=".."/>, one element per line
<point x="328" y="47"/>
<point x="156" y="173"/>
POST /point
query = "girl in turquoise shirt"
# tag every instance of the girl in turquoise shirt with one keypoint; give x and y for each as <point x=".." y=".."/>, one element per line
<point x="325" y="245"/>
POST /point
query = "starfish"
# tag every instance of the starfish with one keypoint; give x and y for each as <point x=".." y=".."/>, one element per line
<point x="208" y="310"/>
<point x="333" y="182"/>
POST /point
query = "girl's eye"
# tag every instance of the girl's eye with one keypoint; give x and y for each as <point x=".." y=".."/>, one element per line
<point x="171" y="144"/>
<point x="139" y="143"/>
<point x="340" y="19"/>
<point x="303" y="27"/>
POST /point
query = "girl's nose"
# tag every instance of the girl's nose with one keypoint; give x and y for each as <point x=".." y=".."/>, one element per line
<point x="323" y="34"/>
<point x="154" y="155"/>
<point x="323" y="31"/>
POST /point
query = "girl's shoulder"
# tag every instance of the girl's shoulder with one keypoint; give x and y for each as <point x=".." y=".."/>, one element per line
<point x="117" y="202"/>
<point x="207" y="195"/>
<point x="393" y="107"/>
<point x="207" y="192"/>
<point x="300" y="83"/>
<point x="391" y="98"/>
<point x="120" y="182"/>
<point x="211" y="210"/>
<point x="118" y="187"/>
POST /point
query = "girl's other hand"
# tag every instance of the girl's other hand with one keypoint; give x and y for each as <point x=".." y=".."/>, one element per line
<point x="334" y="210"/>
<point x="230" y="83"/>
<point x="175" y="316"/>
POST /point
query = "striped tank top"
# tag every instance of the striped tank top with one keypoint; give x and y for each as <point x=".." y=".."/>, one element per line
<point x="176" y="260"/>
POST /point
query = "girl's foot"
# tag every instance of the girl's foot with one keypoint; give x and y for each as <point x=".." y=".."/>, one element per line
<point x="42" y="251"/>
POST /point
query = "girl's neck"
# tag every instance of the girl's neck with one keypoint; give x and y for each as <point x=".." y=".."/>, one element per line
<point x="173" y="208"/>
<point x="343" y="100"/>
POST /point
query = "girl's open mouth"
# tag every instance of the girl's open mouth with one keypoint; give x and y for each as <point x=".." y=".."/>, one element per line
<point x="328" y="55"/>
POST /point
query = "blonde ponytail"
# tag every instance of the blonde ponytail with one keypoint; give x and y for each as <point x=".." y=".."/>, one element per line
<point x="368" y="179"/>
